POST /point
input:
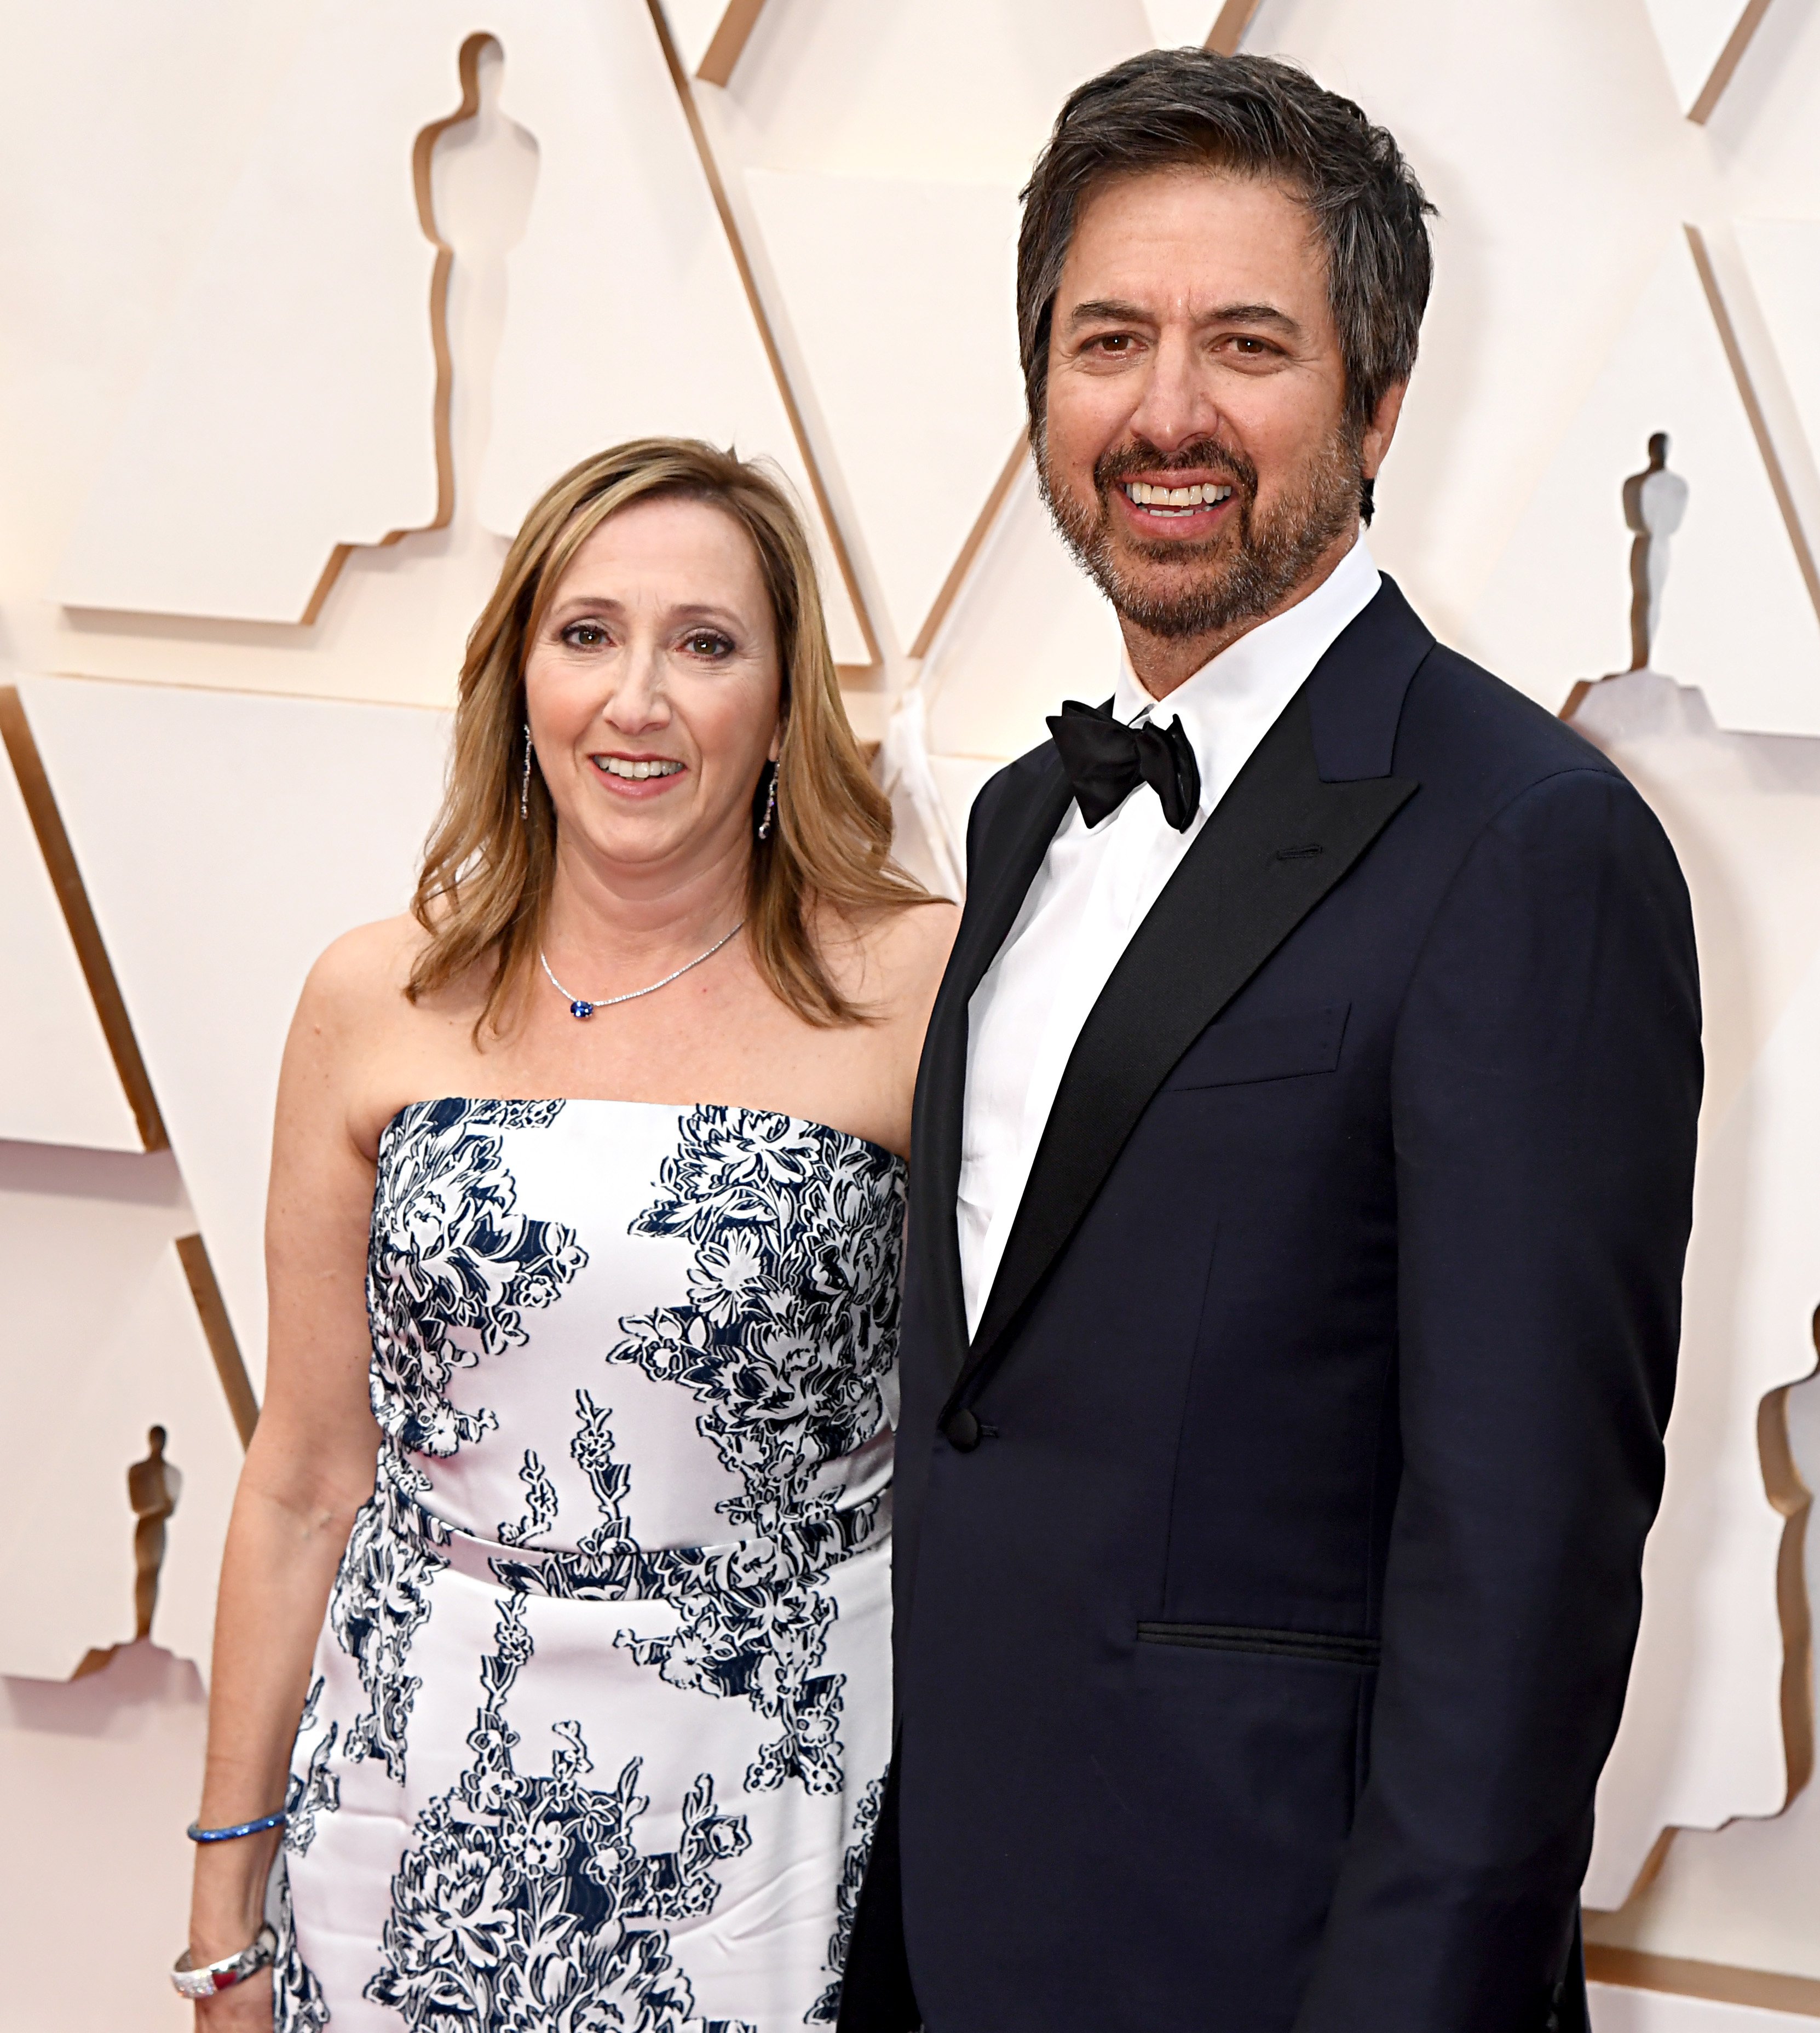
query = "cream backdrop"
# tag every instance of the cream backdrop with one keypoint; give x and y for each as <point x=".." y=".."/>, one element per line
<point x="304" y="304"/>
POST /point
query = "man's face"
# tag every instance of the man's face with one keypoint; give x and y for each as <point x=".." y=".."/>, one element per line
<point x="1196" y="454"/>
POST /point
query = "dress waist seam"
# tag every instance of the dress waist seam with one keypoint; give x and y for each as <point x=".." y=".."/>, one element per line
<point x="802" y="1547"/>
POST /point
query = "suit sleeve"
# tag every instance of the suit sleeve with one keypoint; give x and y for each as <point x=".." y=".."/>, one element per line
<point x="1545" y="1087"/>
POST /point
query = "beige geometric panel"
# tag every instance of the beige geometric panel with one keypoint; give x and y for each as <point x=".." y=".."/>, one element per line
<point x="711" y="35"/>
<point x="1702" y="1738"/>
<point x="1028" y="630"/>
<point x="119" y="1751"/>
<point x="1622" y="2009"/>
<point x="900" y="299"/>
<point x="290" y="410"/>
<point x="953" y="91"/>
<point x="102" y="1342"/>
<point x="1228" y="32"/>
<point x="1179" y="24"/>
<point x="1740" y="1897"/>
<point x="1703" y="42"/>
<point x="58" y="1083"/>
<point x="1782" y="256"/>
<point x="629" y="315"/>
<point x="225" y="841"/>
<point x="693" y="24"/>
<point x="924" y="841"/>
<point x="1737" y="620"/>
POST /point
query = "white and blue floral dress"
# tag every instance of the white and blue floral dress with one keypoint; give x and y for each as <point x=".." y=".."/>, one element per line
<point x="599" y="1714"/>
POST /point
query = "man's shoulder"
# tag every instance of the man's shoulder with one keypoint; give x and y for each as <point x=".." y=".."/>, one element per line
<point x="1025" y="773"/>
<point x="1009" y="792"/>
<point x="1463" y="726"/>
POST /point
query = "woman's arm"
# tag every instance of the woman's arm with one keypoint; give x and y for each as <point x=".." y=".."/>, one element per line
<point x="308" y="1471"/>
<point x="921" y="941"/>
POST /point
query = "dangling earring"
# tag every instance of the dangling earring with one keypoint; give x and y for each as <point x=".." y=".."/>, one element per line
<point x="525" y="780"/>
<point x="770" y="806"/>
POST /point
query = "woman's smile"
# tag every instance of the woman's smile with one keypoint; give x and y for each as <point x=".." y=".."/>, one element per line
<point x="637" y="776"/>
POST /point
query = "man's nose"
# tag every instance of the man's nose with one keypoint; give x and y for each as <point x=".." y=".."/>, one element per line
<point x="1177" y="404"/>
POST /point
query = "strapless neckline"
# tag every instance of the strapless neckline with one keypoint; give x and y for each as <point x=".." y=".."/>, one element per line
<point x="615" y="1101"/>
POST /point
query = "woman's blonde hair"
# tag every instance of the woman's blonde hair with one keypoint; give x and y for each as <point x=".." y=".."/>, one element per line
<point x="485" y="886"/>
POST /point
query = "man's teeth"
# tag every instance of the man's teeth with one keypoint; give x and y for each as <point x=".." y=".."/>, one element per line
<point x="617" y="765"/>
<point x="1205" y="494"/>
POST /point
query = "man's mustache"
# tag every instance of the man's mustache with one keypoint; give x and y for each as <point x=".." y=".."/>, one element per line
<point x="1206" y="456"/>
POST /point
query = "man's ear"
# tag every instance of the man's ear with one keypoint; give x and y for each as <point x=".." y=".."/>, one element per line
<point x="1382" y="429"/>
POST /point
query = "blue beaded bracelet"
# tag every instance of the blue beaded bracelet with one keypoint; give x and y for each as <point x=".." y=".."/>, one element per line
<point x="200" y="1834"/>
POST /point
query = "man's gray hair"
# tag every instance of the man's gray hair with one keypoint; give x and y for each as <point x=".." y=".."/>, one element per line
<point x="1253" y="117"/>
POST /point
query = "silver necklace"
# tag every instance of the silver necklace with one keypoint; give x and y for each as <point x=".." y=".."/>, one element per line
<point x="580" y="1007"/>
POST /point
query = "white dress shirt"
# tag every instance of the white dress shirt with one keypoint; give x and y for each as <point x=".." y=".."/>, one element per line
<point x="1094" y="888"/>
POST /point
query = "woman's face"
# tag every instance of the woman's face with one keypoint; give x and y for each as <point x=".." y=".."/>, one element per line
<point x="652" y="687"/>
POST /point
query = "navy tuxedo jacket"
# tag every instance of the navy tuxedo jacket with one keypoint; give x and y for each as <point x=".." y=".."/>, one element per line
<point x="1267" y="1562"/>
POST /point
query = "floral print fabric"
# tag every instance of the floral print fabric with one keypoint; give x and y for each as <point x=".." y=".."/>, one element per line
<point x="605" y="1671"/>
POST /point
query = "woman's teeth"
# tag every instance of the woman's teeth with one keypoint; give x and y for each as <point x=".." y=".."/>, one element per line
<point x="1177" y="500"/>
<point x="617" y="766"/>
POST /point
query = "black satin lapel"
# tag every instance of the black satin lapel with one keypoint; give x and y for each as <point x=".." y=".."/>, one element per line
<point x="1007" y="855"/>
<point x="1278" y="841"/>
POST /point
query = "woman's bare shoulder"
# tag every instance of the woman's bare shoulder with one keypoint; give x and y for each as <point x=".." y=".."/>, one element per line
<point x="894" y="958"/>
<point x="360" y="1045"/>
<point x="360" y="981"/>
<point x="919" y="938"/>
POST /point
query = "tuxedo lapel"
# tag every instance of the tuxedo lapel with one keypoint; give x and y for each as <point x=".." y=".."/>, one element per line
<point x="1007" y="851"/>
<point x="1278" y="842"/>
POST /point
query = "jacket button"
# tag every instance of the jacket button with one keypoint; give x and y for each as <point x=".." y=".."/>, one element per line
<point x="962" y="1429"/>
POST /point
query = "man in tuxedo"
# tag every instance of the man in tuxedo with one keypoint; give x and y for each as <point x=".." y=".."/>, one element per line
<point x="1302" y="1177"/>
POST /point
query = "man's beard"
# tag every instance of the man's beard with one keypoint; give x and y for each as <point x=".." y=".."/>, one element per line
<point x="1247" y="571"/>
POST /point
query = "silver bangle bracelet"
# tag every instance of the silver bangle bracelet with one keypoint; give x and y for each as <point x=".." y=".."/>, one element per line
<point x="230" y="1970"/>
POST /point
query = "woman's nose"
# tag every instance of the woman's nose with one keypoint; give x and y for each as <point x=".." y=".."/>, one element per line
<point x="639" y="700"/>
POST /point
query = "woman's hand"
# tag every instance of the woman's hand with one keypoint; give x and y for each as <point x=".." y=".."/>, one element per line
<point x="247" y="2007"/>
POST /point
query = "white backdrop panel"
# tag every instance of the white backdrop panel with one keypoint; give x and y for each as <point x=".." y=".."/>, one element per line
<point x="289" y="408"/>
<point x="297" y="378"/>
<point x="120" y="1752"/>
<point x="101" y="1341"/>
<point x="900" y="298"/>
<point x="627" y="317"/>
<point x="1756" y="659"/>
<point x="1618" y="2010"/>
<point x="1782" y="258"/>
<point x="1702" y="1736"/>
<point x="1176" y="22"/>
<point x="1693" y="35"/>
<point x="57" y="1081"/>
<point x="961" y="90"/>
<point x="1028" y="630"/>
<point x="693" y="24"/>
<point x="225" y="841"/>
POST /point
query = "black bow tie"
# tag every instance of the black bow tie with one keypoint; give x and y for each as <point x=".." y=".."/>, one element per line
<point x="1106" y="761"/>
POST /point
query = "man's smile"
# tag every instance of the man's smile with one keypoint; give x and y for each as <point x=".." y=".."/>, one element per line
<point x="1174" y="498"/>
<point x="1175" y="506"/>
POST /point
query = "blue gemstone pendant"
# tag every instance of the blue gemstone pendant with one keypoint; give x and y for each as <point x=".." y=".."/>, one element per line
<point x="582" y="1010"/>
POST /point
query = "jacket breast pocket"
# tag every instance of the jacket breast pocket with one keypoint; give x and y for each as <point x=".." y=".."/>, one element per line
<point x="1263" y="1048"/>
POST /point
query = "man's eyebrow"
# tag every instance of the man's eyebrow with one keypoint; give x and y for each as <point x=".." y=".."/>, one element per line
<point x="1107" y="310"/>
<point x="1113" y="310"/>
<point x="1252" y="314"/>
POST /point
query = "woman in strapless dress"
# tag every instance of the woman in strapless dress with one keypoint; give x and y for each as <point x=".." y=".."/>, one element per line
<point x="586" y="1202"/>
